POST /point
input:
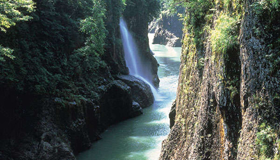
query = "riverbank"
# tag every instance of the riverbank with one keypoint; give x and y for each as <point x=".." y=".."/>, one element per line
<point x="140" y="138"/>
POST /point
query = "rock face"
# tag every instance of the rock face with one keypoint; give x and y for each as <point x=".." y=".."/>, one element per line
<point x="164" y="37"/>
<point x="58" y="124"/>
<point x="172" y="114"/>
<point x="227" y="101"/>
<point x="141" y="92"/>
<point x="59" y="129"/>
<point x="135" y="110"/>
<point x="116" y="103"/>
<point x="168" y="29"/>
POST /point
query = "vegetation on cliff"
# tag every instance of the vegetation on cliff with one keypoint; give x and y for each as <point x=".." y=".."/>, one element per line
<point x="42" y="63"/>
<point x="64" y="45"/>
<point x="227" y="105"/>
<point x="57" y="60"/>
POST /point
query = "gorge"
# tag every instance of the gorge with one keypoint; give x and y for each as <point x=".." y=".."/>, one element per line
<point x="63" y="74"/>
<point x="140" y="138"/>
<point x="227" y="104"/>
<point x="76" y="82"/>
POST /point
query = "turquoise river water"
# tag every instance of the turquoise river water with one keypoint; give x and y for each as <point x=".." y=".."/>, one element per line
<point x="140" y="138"/>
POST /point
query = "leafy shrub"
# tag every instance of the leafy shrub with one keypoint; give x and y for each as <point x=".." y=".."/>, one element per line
<point x="10" y="13"/>
<point x="225" y="35"/>
<point x="266" y="138"/>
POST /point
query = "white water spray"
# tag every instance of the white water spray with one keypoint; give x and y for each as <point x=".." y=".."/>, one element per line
<point x="132" y="59"/>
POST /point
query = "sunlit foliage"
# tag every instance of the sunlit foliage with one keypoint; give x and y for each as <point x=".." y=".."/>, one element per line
<point x="12" y="11"/>
<point x="224" y="35"/>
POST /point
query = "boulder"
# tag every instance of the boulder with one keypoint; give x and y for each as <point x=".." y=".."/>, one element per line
<point x="140" y="91"/>
<point x="136" y="110"/>
<point x="115" y="103"/>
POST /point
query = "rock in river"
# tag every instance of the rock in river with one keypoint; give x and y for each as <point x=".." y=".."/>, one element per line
<point x="140" y="91"/>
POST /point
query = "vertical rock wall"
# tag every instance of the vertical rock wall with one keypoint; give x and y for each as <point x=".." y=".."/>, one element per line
<point x="259" y="41"/>
<point x="227" y="101"/>
<point x="59" y="124"/>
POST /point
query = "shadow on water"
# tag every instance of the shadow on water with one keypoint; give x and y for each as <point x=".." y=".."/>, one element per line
<point x="140" y="138"/>
<point x="131" y="139"/>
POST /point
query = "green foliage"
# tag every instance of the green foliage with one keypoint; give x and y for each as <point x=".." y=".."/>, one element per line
<point x="124" y="2"/>
<point x="153" y="9"/>
<point x="5" y="52"/>
<point x="88" y="57"/>
<point x="266" y="138"/>
<point x="196" y="19"/>
<point x="94" y="28"/>
<point x="268" y="13"/>
<point x="269" y="5"/>
<point x="194" y="22"/>
<point x="225" y="35"/>
<point x="171" y="6"/>
<point x="148" y="9"/>
<point x="62" y="44"/>
<point x="12" y="11"/>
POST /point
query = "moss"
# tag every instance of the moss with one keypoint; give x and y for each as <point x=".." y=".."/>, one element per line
<point x="225" y="35"/>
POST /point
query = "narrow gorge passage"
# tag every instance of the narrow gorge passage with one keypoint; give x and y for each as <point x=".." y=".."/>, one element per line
<point x="140" y="138"/>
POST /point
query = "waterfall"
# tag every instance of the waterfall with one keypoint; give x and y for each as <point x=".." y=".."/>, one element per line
<point x="130" y="49"/>
<point x="132" y="58"/>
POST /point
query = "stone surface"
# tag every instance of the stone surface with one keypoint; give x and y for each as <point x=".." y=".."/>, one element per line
<point x="136" y="110"/>
<point x="57" y="126"/>
<point x="116" y="103"/>
<point x="216" y="117"/>
<point x="168" y="29"/>
<point x="172" y="114"/>
<point x="57" y="129"/>
<point x="141" y="92"/>
<point x="165" y="37"/>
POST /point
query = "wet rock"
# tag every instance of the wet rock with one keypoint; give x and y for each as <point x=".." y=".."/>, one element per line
<point x="140" y="91"/>
<point x="138" y="26"/>
<point x="172" y="114"/>
<point x="136" y="110"/>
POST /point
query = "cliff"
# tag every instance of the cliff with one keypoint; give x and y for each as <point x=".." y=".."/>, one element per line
<point x="64" y="88"/>
<point x="138" y="16"/>
<point x="168" y="28"/>
<point x="227" y="104"/>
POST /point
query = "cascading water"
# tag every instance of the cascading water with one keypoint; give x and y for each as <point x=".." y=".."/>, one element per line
<point x="140" y="138"/>
<point x="132" y="57"/>
<point x="129" y="49"/>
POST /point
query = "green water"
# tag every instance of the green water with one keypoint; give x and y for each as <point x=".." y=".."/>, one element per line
<point x="140" y="138"/>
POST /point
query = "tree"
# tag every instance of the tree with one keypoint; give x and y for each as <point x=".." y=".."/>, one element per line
<point x="12" y="11"/>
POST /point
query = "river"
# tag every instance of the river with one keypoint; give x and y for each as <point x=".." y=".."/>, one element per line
<point x="140" y="138"/>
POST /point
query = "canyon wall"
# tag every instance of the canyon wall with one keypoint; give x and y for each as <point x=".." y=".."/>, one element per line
<point x="227" y="104"/>
<point x="64" y="88"/>
<point x="168" y="28"/>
